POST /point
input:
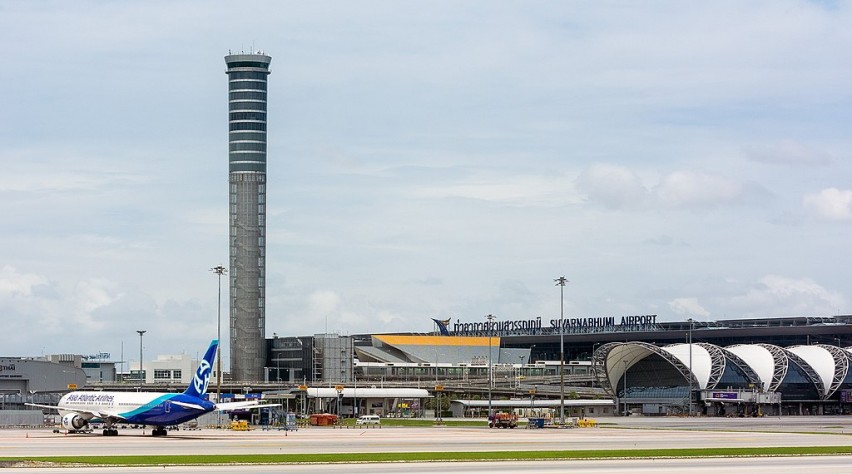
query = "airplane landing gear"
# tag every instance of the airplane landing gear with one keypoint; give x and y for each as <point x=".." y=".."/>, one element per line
<point x="159" y="431"/>
<point x="110" y="432"/>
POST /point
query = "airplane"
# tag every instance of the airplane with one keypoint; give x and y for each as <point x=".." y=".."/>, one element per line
<point x="159" y="409"/>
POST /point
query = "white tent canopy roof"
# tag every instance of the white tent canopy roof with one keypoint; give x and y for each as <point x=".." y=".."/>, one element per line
<point x="826" y="366"/>
<point x="820" y="360"/>
<point x="701" y="362"/>
<point x="759" y="359"/>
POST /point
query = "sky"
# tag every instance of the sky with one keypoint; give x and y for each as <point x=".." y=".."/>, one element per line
<point x="443" y="159"/>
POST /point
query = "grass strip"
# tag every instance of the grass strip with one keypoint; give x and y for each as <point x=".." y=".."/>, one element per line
<point x="198" y="459"/>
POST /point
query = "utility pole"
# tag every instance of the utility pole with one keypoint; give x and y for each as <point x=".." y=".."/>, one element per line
<point x="560" y="282"/>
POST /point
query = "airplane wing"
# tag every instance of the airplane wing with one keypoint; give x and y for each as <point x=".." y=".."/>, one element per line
<point x="84" y="413"/>
<point x="50" y="407"/>
<point x="227" y="406"/>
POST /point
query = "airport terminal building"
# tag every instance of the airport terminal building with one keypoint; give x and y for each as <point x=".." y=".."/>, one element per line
<point x="28" y="380"/>
<point x="789" y="366"/>
<point x="798" y="365"/>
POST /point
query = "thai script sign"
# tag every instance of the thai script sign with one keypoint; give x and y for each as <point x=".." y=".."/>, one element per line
<point x="536" y="326"/>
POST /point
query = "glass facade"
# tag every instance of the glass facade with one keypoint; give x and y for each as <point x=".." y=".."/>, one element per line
<point x="796" y="386"/>
<point x="247" y="105"/>
<point x="653" y="378"/>
<point x="733" y="378"/>
<point x="800" y="380"/>
<point x="247" y="95"/>
<point x="238" y="126"/>
<point x="247" y="85"/>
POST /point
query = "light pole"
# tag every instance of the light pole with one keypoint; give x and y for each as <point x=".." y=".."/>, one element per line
<point x="219" y="270"/>
<point x="437" y="392"/>
<point x="490" y="319"/>
<point x="691" y="322"/>
<point x="625" y="387"/>
<point x="595" y="346"/>
<point x="560" y="282"/>
<point x="277" y="359"/>
<point x="141" y="379"/>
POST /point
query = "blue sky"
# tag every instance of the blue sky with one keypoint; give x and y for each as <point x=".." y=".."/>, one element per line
<point x="426" y="159"/>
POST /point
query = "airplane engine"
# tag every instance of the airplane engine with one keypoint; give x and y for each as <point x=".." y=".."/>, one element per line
<point x="73" y="421"/>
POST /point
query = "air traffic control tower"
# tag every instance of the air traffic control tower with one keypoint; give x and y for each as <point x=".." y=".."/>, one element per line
<point x="247" y="79"/>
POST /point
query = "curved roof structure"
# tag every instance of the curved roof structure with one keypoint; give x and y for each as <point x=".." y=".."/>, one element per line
<point x="829" y="363"/>
<point x="825" y="367"/>
<point x="700" y="361"/>
<point x="612" y="360"/>
<point x="769" y="364"/>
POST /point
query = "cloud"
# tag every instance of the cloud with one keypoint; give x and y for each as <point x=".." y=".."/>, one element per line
<point x="688" y="307"/>
<point x="613" y="186"/>
<point x="13" y="283"/>
<point x="770" y="296"/>
<point x="89" y="297"/>
<point x="830" y="203"/>
<point x="689" y="188"/>
<point x="780" y="295"/>
<point x="71" y="171"/>
<point x="323" y="302"/>
<point x="619" y="187"/>
<point x="417" y="171"/>
<point x="660" y="240"/>
<point x="520" y="190"/>
<point x="788" y="152"/>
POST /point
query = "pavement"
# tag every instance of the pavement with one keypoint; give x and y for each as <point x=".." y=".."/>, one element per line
<point x="615" y="433"/>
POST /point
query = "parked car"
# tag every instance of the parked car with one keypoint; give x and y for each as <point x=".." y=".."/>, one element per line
<point x="368" y="420"/>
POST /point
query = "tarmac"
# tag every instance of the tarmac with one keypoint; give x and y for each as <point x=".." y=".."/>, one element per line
<point x="612" y="433"/>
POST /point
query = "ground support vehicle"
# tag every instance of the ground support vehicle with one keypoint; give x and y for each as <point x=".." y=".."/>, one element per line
<point x="503" y="420"/>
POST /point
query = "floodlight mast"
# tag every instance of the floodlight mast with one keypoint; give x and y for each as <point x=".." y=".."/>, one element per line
<point x="220" y="271"/>
<point x="141" y="379"/>
<point x="560" y="282"/>
<point x="490" y="318"/>
<point x="691" y="325"/>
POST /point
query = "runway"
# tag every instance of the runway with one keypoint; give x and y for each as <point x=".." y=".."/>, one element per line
<point x="622" y="433"/>
<point x="438" y="439"/>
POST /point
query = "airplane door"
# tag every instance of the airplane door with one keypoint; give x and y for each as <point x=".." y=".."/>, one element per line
<point x="168" y="406"/>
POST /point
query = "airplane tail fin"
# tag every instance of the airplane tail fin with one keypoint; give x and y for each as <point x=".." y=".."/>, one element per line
<point x="198" y="386"/>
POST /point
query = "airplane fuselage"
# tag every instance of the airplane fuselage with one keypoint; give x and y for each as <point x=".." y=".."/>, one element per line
<point x="146" y="408"/>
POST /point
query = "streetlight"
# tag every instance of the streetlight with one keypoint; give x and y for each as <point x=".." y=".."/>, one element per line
<point x="490" y="319"/>
<point x="437" y="391"/>
<point x="141" y="380"/>
<point x="625" y="387"/>
<point x="277" y="359"/>
<point x="691" y="323"/>
<point x="560" y="282"/>
<point x="219" y="270"/>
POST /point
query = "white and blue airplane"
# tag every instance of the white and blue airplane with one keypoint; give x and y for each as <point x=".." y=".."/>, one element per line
<point x="157" y="409"/>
